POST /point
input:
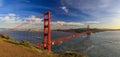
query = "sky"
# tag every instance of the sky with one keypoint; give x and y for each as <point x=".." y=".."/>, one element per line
<point x="69" y="13"/>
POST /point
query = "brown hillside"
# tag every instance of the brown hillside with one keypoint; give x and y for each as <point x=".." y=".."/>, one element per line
<point x="11" y="50"/>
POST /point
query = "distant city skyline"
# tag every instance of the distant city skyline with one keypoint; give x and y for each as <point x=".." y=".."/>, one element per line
<point x="70" y="13"/>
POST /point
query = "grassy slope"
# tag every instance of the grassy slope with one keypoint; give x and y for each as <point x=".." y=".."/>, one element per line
<point x="12" y="50"/>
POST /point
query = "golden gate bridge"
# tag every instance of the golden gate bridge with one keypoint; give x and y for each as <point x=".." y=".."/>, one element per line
<point x="47" y="42"/>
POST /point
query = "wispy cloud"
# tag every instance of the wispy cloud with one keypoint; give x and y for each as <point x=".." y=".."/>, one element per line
<point x="92" y="22"/>
<point x="66" y="25"/>
<point x="64" y="8"/>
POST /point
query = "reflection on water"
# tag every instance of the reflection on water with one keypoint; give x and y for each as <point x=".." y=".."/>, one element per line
<point x="102" y="44"/>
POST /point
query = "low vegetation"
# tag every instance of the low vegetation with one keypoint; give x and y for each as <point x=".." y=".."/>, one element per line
<point x="72" y="54"/>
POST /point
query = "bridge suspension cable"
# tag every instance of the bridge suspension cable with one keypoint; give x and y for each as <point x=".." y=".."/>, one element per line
<point x="20" y="25"/>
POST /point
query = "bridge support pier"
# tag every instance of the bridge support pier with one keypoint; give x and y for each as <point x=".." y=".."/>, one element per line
<point x="47" y="32"/>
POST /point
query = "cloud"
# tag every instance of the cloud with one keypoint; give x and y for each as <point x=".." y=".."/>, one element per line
<point x="68" y="23"/>
<point x="12" y="14"/>
<point x="59" y="24"/>
<point x="92" y="22"/>
<point x="11" y="20"/>
<point x="64" y="8"/>
<point x="35" y="19"/>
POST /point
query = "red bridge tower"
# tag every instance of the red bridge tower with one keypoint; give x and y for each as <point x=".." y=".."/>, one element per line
<point x="47" y="32"/>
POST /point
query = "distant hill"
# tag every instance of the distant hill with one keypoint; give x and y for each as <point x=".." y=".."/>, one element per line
<point x="84" y="29"/>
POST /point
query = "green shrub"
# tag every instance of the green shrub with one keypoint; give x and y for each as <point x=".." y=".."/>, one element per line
<point x="72" y="54"/>
<point x="5" y="36"/>
<point x="26" y="43"/>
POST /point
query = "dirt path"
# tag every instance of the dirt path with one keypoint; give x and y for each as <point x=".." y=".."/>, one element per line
<point x="11" y="50"/>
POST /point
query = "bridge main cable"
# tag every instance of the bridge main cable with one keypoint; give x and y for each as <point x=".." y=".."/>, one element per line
<point x="20" y="25"/>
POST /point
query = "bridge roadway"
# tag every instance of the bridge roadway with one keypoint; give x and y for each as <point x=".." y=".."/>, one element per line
<point x="60" y="40"/>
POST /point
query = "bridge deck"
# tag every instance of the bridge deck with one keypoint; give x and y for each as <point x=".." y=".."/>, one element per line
<point x="60" y="40"/>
